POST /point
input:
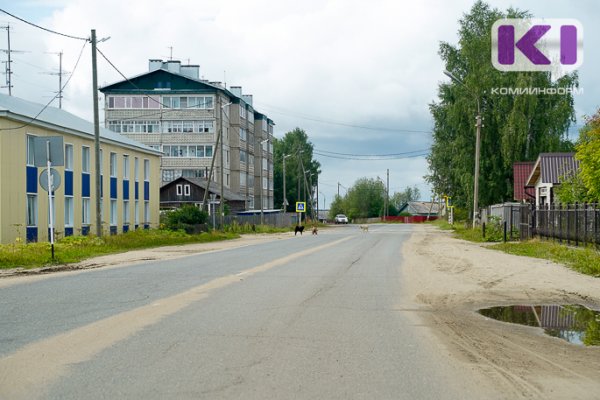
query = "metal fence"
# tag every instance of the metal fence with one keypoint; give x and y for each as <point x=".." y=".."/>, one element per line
<point x="506" y="212"/>
<point x="279" y="220"/>
<point x="570" y="223"/>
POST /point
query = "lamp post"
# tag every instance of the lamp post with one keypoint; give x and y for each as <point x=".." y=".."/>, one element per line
<point x="262" y="189"/>
<point x="477" y="149"/>
<point x="222" y="205"/>
<point x="285" y="202"/>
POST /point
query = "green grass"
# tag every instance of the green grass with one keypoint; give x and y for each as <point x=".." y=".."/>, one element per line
<point x="76" y="248"/>
<point x="582" y="259"/>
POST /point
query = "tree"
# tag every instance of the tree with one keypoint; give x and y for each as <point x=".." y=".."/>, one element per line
<point x="516" y="127"/>
<point x="588" y="153"/>
<point x="299" y="167"/>
<point x="366" y="199"/>
<point x="584" y="185"/>
<point x="408" y="194"/>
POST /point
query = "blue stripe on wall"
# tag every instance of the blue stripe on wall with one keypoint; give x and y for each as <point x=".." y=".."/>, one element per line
<point x="85" y="230"/>
<point x="113" y="188"/>
<point x="146" y="190"/>
<point x="32" y="234"/>
<point x="85" y="185"/>
<point x="68" y="231"/>
<point x="32" y="180"/>
<point x="125" y="190"/>
<point x="136" y="189"/>
<point x="68" y="183"/>
<point x="125" y="228"/>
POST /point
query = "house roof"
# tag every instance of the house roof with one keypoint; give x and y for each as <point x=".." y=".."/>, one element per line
<point x="521" y="172"/>
<point x="552" y="167"/>
<point x="29" y="113"/>
<point x="420" y="207"/>
<point x="201" y="182"/>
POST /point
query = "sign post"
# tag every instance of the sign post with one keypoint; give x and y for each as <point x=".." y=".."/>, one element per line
<point x="48" y="151"/>
<point x="300" y="208"/>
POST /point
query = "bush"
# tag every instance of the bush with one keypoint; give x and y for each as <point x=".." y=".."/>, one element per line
<point x="185" y="218"/>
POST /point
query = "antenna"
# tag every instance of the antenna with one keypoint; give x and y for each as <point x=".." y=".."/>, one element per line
<point x="225" y="78"/>
<point x="171" y="49"/>
<point x="60" y="74"/>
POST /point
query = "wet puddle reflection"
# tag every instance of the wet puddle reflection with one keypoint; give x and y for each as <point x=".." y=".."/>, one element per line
<point x="573" y="323"/>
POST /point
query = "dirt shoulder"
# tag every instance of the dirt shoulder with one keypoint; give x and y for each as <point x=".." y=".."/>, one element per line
<point x="448" y="279"/>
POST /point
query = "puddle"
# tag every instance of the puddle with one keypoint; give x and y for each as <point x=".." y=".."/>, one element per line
<point x="573" y="323"/>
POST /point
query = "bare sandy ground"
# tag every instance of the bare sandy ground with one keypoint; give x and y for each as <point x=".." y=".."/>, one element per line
<point x="448" y="279"/>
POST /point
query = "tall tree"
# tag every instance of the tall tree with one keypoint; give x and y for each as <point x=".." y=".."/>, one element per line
<point x="365" y="199"/>
<point x="516" y="127"/>
<point x="300" y="165"/>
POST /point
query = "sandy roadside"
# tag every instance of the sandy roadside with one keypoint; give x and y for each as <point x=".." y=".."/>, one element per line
<point x="448" y="279"/>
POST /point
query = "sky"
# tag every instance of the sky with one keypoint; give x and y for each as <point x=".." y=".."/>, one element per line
<point x="357" y="76"/>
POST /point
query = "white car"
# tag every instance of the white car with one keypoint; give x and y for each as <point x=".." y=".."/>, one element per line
<point x="340" y="219"/>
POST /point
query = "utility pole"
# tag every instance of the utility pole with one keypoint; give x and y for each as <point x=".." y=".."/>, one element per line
<point x="285" y="202"/>
<point x="387" y="195"/>
<point x="96" y="134"/>
<point x="477" y="151"/>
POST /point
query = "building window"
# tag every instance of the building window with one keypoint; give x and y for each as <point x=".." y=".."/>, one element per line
<point x="179" y="189"/>
<point x="30" y="150"/>
<point x="85" y="211"/>
<point x="264" y="183"/>
<point x="85" y="159"/>
<point x="243" y="134"/>
<point x="32" y="210"/>
<point x="113" y="164"/>
<point x="186" y="102"/>
<point x="125" y="167"/>
<point x="243" y="156"/>
<point x="243" y="179"/>
<point x="136" y="169"/>
<point x="264" y="164"/>
<point x="69" y="157"/>
<point x="69" y="211"/>
<point x="136" y="212"/>
<point x="186" y="151"/>
<point x="126" y="219"/>
<point x="146" y="211"/>
<point x="186" y="190"/>
<point x="101" y="161"/>
<point x="146" y="170"/>
<point x="113" y="212"/>
<point x="116" y="102"/>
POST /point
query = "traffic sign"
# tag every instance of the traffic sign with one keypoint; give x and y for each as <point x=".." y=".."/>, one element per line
<point x="300" y="206"/>
<point x="55" y="179"/>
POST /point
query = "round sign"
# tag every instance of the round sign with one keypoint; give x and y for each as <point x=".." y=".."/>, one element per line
<point x="55" y="179"/>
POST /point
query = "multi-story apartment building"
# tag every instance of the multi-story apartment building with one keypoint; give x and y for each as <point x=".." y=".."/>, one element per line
<point x="172" y="110"/>
<point x="129" y="173"/>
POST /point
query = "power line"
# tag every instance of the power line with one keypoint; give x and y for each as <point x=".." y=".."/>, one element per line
<point x="372" y="155"/>
<point x="42" y="28"/>
<point x="370" y="158"/>
<point x="340" y="123"/>
<point x="51" y="100"/>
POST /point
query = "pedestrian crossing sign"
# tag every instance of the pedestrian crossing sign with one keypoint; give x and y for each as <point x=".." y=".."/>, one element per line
<point x="300" y="206"/>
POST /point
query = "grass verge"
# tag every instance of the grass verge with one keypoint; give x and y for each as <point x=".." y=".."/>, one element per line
<point x="582" y="259"/>
<point x="76" y="248"/>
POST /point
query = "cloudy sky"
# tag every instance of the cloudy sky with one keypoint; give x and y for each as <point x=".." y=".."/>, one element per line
<point x="356" y="76"/>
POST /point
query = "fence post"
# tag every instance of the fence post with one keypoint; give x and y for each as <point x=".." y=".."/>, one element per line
<point x="585" y="223"/>
<point x="576" y="213"/>
<point x="510" y="216"/>
<point x="483" y="230"/>
<point x="504" y="231"/>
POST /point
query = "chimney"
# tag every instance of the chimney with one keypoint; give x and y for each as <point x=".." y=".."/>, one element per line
<point x="236" y="90"/>
<point x="174" y="66"/>
<point x="154" y="64"/>
<point x="191" y="71"/>
<point x="248" y="99"/>
<point x="217" y="84"/>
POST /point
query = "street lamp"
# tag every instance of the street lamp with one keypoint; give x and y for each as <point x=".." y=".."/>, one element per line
<point x="262" y="191"/>
<point x="285" y="202"/>
<point x="477" y="149"/>
<point x="222" y="208"/>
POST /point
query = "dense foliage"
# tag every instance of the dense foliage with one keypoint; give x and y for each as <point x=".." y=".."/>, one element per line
<point x="185" y="217"/>
<point x="584" y="186"/>
<point x="516" y="127"/>
<point x="301" y="169"/>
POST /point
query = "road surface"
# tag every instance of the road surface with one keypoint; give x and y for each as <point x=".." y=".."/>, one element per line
<point x="308" y="317"/>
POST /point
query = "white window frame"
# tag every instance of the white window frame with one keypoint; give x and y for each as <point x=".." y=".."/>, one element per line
<point x="136" y="212"/>
<point x="113" y="212"/>
<point x="146" y="212"/>
<point x="85" y="159"/>
<point x="146" y="170"/>
<point x="125" y="166"/>
<point x="179" y="190"/>
<point x="32" y="209"/>
<point x="68" y="157"/>
<point x="113" y="165"/>
<point x="86" y="211"/>
<point x="126" y="213"/>
<point x="69" y="211"/>
<point x="187" y="190"/>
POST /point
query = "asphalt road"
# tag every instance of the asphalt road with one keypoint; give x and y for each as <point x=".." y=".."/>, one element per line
<point x="311" y="317"/>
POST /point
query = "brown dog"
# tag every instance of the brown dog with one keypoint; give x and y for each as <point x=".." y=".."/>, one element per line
<point x="315" y="230"/>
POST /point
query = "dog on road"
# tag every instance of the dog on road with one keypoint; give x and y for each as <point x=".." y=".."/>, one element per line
<point x="364" y="228"/>
<point x="298" y="228"/>
<point x="315" y="230"/>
